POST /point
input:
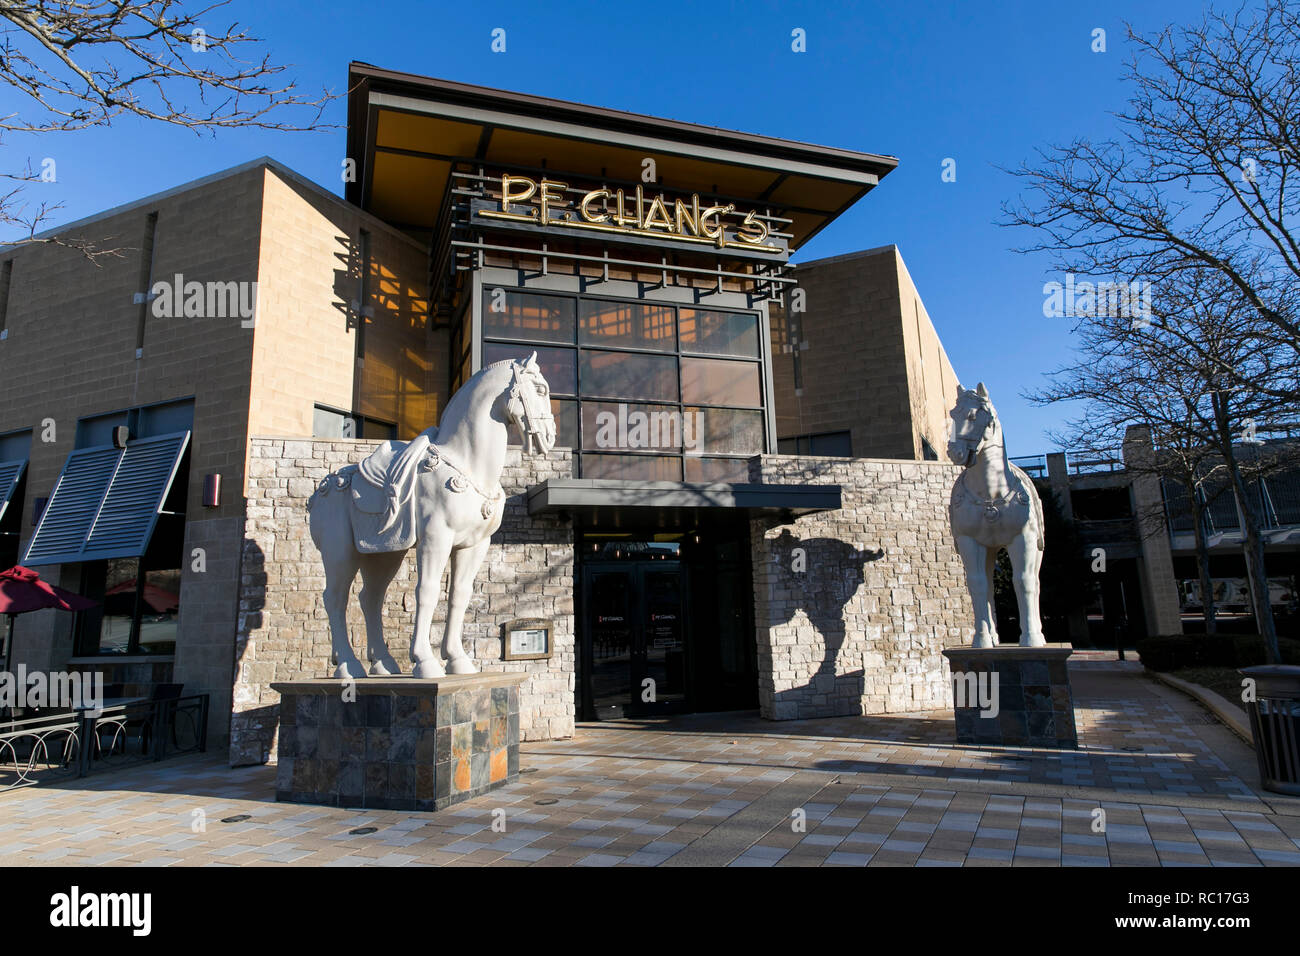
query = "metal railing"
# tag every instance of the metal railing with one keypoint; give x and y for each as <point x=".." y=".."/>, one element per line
<point x="73" y="744"/>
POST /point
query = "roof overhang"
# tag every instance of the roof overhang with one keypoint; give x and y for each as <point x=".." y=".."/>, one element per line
<point x="406" y="131"/>
<point x="614" y="501"/>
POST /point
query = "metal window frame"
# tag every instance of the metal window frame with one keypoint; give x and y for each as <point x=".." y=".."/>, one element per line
<point x="765" y="407"/>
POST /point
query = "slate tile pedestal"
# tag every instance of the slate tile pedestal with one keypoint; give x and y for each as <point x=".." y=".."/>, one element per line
<point x="1035" y="707"/>
<point x="401" y="743"/>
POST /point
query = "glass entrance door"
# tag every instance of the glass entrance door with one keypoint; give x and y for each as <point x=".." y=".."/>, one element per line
<point x="638" y="653"/>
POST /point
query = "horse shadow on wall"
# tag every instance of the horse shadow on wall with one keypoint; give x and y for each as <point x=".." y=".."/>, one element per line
<point x="821" y="576"/>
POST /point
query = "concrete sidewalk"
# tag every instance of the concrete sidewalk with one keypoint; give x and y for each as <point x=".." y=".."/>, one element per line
<point x="1157" y="781"/>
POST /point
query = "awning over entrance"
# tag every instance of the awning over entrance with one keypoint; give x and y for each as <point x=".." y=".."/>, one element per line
<point x="11" y="472"/>
<point x="406" y="133"/>
<point x="619" y="501"/>
<point x="107" y="501"/>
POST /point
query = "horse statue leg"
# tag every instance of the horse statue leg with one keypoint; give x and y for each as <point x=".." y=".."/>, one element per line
<point x="332" y="534"/>
<point x="990" y="575"/>
<point x="974" y="559"/>
<point x="377" y="573"/>
<point x="1025" y="556"/>
<point x="465" y="563"/>
<point x="431" y="553"/>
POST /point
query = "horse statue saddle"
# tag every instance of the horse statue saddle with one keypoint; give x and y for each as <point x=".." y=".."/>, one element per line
<point x="383" y="495"/>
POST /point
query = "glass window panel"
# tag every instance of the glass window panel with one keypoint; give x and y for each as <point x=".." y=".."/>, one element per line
<point x="118" y="611"/>
<point x="832" y="444"/>
<point x="620" y="426"/>
<point x="636" y="325"/>
<point x="534" y="318"/>
<point x="565" y="411"/>
<point x="717" y="469"/>
<point x="718" y="382"/>
<point x="159" y="606"/>
<point x="641" y="467"/>
<point x="560" y="366"/>
<point x="724" y="431"/>
<point x="787" y="446"/>
<point x="719" y="333"/>
<point x="327" y="423"/>
<point x="629" y="375"/>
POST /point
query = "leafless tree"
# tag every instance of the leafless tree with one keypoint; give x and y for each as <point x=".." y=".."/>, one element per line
<point x="78" y="65"/>
<point x="1199" y="181"/>
<point x="1183" y="370"/>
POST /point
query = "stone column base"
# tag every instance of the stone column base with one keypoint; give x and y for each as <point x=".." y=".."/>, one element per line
<point x="398" y="743"/>
<point x="1013" y="696"/>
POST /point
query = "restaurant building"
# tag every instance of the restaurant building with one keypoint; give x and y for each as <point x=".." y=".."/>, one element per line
<point x="744" y="508"/>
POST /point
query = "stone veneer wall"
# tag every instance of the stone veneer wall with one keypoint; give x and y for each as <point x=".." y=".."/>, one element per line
<point x="861" y="629"/>
<point x="283" y="633"/>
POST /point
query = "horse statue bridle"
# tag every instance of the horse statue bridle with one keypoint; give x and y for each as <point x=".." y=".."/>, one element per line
<point x="533" y="422"/>
<point x="973" y="446"/>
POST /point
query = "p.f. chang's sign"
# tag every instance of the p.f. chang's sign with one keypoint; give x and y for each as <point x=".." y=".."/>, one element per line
<point x="547" y="204"/>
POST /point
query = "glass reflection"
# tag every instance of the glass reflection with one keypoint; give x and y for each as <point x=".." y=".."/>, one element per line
<point x="621" y="426"/>
<point x="728" y="431"/>
<point x="628" y="375"/>
<point x="635" y="325"/>
<point x="720" y="382"/>
<point x="642" y="467"/>
<point x="533" y="318"/>
<point x="719" y="333"/>
<point x="560" y="366"/>
<point x="717" y="469"/>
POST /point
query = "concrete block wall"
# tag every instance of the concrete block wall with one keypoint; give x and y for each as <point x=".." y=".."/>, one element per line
<point x="872" y="362"/>
<point x="283" y="633"/>
<point x="860" y="625"/>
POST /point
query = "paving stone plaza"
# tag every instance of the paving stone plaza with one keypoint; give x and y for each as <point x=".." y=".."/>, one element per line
<point x="1177" y="788"/>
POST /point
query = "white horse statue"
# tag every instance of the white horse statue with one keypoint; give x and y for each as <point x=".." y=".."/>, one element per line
<point x="440" y="492"/>
<point x="994" y="505"/>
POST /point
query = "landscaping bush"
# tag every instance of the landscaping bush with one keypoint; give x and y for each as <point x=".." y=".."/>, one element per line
<point x="1171" y="652"/>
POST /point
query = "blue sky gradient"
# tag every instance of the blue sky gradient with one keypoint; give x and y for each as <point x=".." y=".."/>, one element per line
<point x="983" y="84"/>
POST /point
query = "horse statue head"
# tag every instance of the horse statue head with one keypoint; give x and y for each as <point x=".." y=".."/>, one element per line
<point x="528" y="405"/>
<point x="974" y="425"/>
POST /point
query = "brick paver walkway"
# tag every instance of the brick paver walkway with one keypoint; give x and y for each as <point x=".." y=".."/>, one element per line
<point x="1175" y="787"/>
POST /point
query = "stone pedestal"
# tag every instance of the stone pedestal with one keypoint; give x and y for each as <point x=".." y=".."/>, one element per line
<point x="1013" y="696"/>
<point x="397" y="743"/>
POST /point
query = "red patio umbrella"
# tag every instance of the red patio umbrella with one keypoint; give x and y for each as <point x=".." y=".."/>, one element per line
<point x="22" y="590"/>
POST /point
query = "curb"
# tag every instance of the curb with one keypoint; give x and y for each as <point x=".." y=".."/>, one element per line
<point x="1222" y="708"/>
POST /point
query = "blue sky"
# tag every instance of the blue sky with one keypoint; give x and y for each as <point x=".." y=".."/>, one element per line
<point x="983" y="84"/>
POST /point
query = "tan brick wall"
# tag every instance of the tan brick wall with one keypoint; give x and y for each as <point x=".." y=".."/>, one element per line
<point x="862" y="358"/>
<point x="305" y="352"/>
<point x="70" y="353"/>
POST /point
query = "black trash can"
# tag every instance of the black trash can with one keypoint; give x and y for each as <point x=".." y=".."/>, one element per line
<point x="1275" y="725"/>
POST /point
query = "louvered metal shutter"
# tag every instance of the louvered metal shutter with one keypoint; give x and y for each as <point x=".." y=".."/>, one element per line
<point x="135" y="496"/>
<point x="106" y="501"/>
<point x="10" y="474"/>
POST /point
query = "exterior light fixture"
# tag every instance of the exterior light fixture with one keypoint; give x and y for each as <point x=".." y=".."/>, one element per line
<point x="212" y="490"/>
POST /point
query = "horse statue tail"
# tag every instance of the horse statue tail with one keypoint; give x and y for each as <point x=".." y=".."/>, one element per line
<point x="1038" y="513"/>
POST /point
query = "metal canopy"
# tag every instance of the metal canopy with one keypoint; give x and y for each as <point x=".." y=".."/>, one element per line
<point x="614" y="501"/>
<point x="407" y="132"/>
<point x="107" y="501"/>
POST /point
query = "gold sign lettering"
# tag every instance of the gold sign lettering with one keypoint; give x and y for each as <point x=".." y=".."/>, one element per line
<point x="617" y="212"/>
